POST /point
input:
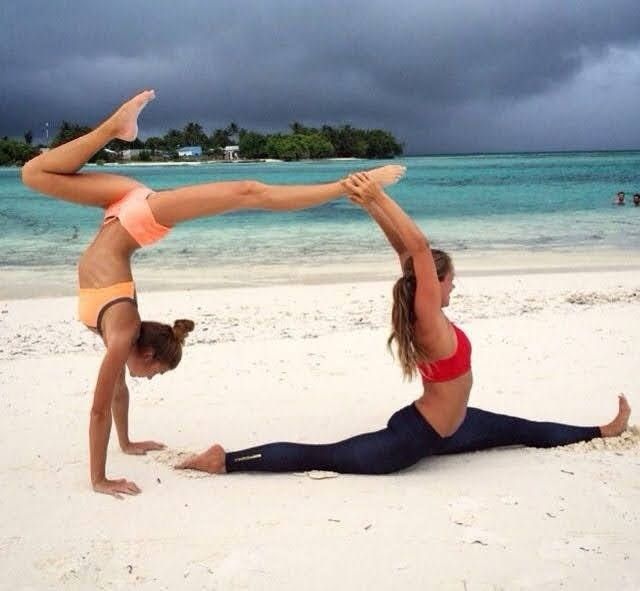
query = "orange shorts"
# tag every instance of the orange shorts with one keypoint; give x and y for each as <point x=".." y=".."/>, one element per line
<point x="136" y="216"/>
<point x="93" y="302"/>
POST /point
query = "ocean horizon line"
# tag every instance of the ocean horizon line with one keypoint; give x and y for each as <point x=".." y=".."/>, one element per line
<point x="523" y="153"/>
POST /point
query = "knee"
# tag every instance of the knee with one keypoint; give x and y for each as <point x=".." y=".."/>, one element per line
<point x="251" y="188"/>
<point x="29" y="174"/>
<point x="253" y="193"/>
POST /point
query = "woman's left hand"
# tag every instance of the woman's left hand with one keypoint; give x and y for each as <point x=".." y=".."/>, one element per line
<point x="139" y="448"/>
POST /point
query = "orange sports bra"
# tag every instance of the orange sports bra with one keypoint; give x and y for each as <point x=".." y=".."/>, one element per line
<point x="452" y="367"/>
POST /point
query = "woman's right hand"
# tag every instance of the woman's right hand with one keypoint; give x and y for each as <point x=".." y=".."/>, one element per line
<point x="115" y="487"/>
<point x="362" y="189"/>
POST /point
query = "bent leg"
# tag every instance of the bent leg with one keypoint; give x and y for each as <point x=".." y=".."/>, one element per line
<point x="56" y="173"/>
<point x="484" y="430"/>
<point x="94" y="189"/>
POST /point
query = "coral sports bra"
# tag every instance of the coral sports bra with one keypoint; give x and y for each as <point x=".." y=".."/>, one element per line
<point x="452" y="367"/>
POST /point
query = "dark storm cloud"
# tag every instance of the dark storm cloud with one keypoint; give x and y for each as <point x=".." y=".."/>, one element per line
<point x="416" y="68"/>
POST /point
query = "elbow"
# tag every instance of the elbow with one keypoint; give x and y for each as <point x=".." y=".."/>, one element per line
<point x="120" y="397"/>
<point x="419" y="244"/>
<point x="99" y="414"/>
<point x="120" y="394"/>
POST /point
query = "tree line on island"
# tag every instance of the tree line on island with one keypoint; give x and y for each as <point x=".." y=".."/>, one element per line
<point x="300" y="143"/>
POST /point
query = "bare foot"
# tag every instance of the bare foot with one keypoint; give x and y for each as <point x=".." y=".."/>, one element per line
<point x="211" y="461"/>
<point x="124" y="122"/>
<point x="387" y="175"/>
<point x="621" y="420"/>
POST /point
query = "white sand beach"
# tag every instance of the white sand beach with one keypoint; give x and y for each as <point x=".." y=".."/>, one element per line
<point x="307" y="361"/>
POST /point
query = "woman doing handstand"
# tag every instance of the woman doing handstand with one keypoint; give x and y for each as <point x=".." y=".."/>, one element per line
<point x="439" y="422"/>
<point x="136" y="216"/>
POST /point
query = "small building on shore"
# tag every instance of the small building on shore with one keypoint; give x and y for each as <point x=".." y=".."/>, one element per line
<point x="231" y="152"/>
<point x="190" y="151"/>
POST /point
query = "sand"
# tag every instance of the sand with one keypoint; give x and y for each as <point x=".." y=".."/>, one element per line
<point x="307" y="362"/>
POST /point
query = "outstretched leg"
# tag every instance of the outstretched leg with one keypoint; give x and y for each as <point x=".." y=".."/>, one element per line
<point x="484" y="430"/>
<point x="407" y="439"/>
<point x="56" y="172"/>
<point x="178" y="205"/>
<point x="379" y="452"/>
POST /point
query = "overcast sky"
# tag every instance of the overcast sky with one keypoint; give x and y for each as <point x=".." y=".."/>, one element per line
<point x="443" y="76"/>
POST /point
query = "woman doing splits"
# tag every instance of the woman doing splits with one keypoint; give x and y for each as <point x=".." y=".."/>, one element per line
<point x="136" y="216"/>
<point x="439" y="422"/>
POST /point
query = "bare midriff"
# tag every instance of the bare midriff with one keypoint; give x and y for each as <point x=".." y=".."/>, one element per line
<point x="444" y="404"/>
<point x="107" y="260"/>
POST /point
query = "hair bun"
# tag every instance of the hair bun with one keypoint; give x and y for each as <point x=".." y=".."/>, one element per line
<point x="181" y="328"/>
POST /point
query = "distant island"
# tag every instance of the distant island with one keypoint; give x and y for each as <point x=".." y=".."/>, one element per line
<point x="229" y="144"/>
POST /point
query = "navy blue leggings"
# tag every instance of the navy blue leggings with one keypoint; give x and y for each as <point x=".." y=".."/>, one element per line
<point x="407" y="439"/>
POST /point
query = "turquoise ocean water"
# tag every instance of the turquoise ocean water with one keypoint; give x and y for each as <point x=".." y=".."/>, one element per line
<point x="513" y="202"/>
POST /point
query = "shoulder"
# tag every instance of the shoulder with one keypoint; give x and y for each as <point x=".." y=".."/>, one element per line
<point x="121" y="325"/>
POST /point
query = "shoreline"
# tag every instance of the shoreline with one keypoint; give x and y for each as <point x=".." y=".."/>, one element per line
<point x="247" y="161"/>
<point x="44" y="282"/>
<point x="172" y="163"/>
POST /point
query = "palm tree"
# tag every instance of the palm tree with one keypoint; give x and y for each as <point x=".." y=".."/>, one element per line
<point x="219" y="138"/>
<point x="232" y="132"/>
<point x="194" y="135"/>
